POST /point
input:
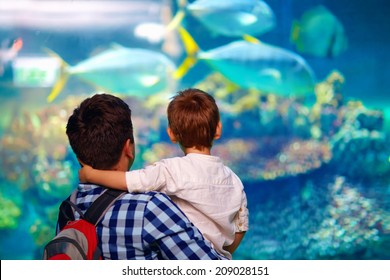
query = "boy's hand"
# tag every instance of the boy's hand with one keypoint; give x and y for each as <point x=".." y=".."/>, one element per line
<point x="84" y="172"/>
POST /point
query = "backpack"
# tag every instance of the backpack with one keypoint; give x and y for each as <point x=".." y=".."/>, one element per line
<point x="77" y="239"/>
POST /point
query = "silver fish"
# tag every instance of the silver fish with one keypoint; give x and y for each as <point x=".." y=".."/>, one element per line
<point x="129" y="71"/>
<point x="232" y="18"/>
<point x="251" y="65"/>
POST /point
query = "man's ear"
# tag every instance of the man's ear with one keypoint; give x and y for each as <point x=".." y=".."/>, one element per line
<point x="171" y="135"/>
<point x="80" y="162"/>
<point x="218" y="131"/>
<point x="129" y="149"/>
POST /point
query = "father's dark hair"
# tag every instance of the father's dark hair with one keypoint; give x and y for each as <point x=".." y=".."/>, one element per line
<point x="98" y="129"/>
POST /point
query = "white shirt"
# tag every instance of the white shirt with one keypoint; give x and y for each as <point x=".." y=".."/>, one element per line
<point x="208" y="192"/>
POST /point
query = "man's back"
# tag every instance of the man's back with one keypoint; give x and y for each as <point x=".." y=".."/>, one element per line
<point x="145" y="226"/>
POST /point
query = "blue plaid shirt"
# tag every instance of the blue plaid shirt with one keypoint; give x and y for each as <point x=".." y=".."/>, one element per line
<point x="146" y="226"/>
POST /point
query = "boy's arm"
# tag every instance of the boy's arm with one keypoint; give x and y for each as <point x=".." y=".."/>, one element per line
<point x="109" y="178"/>
<point x="237" y="240"/>
<point x="241" y="222"/>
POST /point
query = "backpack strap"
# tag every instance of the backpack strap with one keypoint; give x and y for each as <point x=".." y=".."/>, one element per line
<point x="66" y="211"/>
<point x="94" y="213"/>
<point x="100" y="206"/>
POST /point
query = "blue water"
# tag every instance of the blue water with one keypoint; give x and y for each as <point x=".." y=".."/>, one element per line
<point x="333" y="208"/>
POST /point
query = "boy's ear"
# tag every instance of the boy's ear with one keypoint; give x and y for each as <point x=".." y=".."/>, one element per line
<point x="172" y="136"/>
<point x="218" y="131"/>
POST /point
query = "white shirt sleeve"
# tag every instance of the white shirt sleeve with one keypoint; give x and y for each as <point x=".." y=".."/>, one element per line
<point x="242" y="220"/>
<point x="151" y="178"/>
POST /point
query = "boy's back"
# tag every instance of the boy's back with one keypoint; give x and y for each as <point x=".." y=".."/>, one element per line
<point x="209" y="192"/>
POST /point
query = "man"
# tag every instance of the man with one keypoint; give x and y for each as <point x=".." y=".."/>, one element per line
<point x="138" y="225"/>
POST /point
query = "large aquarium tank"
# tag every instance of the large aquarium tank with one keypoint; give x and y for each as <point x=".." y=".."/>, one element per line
<point x="303" y="88"/>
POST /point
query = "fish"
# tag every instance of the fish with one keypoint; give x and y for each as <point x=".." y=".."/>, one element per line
<point x="252" y="65"/>
<point x="231" y="18"/>
<point x="9" y="50"/>
<point x="319" y="33"/>
<point x="128" y="71"/>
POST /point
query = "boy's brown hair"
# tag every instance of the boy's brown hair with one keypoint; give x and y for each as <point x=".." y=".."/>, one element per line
<point x="193" y="117"/>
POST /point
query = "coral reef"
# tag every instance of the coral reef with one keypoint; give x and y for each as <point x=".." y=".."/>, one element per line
<point x="10" y="213"/>
<point x="275" y="157"/>
<point x="329" y="218"/>
<point x="353" y="223"/>
<point x="361" y="148"/>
